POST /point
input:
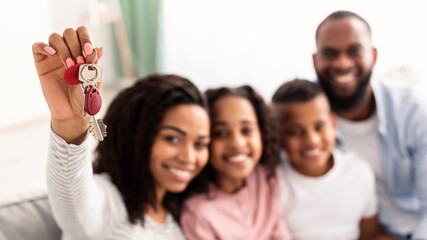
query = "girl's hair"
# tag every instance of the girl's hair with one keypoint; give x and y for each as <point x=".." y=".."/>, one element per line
<point x="269" y="134"/>
<point x="132" y="121"/>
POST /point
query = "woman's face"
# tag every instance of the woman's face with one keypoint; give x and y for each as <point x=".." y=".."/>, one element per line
<point x="236" y="145"/>
<point x="180" y="149"/>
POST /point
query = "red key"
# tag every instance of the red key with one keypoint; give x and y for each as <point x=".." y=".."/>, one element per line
<point x="71" y="75"/>
<point x="93" y="101"/>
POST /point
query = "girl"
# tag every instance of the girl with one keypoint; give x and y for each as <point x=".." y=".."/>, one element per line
<point x="158" y="136"/>
<point x="238" y="192"/>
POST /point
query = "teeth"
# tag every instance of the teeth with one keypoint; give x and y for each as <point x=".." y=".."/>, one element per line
<point x="238" y="158"/>
<point x="344" y="79"/>
<point x="179" y="172"/>
<point x="312" y="153"/>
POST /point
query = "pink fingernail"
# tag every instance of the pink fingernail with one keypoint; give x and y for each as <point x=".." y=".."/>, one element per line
<point x="100" y="54"/>
<point x="88" y="48"/>
<point x="49" y="50"/>
<point x="69" y="62"/>
<point x="80" y="59"/>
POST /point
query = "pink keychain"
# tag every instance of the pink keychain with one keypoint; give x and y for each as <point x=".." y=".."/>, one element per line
<point x="71" y="75"/>
<point x="93" y="101"/>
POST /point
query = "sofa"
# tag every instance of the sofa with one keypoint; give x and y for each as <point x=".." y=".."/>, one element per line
<point x="28" y="217"/>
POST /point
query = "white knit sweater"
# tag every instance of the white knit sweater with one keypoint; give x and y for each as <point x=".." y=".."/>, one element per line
<point x="89" y="206"/>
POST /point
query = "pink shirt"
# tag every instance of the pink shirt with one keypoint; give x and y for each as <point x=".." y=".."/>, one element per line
<point x="254" y="212"/>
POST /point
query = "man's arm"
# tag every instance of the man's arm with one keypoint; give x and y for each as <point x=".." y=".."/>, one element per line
<point x="417" y="144"/>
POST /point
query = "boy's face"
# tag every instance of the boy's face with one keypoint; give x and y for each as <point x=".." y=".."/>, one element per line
<point x="309" y="135"/>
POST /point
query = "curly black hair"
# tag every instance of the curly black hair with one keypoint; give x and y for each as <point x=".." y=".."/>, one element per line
<point x="125" y="153"/>
<point x="269" y="134"/>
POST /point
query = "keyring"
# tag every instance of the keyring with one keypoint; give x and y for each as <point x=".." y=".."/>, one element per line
<point x="93" y="65"/>
<point x="87" y="66"/>
<point x="96" y="56"/>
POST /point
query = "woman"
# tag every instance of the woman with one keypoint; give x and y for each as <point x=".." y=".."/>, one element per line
<point x="158" y="133"/>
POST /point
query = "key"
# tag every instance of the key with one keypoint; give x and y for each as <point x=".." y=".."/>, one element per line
<point x="88" y="75"/>
<point x="85" y="90"/>
<point x="97" y="128"/>
<point x="92" y="106"/>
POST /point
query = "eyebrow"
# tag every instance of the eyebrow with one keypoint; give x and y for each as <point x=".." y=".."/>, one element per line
<point x="327" y="49"/>
<point x="219" y="123"/>
<point x="292" y="124"/>
<point x="331" y="48"/>
<point x="224" y="123"/>
<point x="180" y="131"/>
<point x="356" y="45"/>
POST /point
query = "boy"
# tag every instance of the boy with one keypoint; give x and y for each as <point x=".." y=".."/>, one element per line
<point x="326" y="193"/>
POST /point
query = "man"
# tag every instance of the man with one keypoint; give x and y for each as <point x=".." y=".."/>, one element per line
<point x="385" y="125"/>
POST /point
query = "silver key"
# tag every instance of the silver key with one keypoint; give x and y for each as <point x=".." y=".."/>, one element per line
<point x="98" y="129"/>
<point x="85" y="89"/>
<point x="89" y="75"/>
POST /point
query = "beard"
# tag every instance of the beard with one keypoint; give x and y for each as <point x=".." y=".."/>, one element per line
<point x="345" y="103"/>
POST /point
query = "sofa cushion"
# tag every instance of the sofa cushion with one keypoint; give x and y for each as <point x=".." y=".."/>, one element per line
<point x="28" y="217"/>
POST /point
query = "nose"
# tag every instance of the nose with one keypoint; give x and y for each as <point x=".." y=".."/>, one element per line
<point x="312" y="139"/>
<point x="237" y="141"/>
<point x="187" y="155"/>
<point x="343" y="62"/>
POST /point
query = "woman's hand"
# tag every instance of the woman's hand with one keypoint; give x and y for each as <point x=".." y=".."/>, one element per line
<point x="65" y="101"/>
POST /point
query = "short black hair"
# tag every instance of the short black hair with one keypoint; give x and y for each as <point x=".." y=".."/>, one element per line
<point x="297" y="90"/>
<point x="340" y="15"/>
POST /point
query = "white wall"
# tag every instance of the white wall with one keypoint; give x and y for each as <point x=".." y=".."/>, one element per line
<point x="265" y="42"/>
<point x="213" y="42"/>
<point x="20" y="27"/>
<point x="24" y="116"/>
<point x="23" y="23"/>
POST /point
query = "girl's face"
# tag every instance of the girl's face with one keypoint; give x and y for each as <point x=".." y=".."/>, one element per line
<point x="236" y="145"/>
<point x="180" y="149"/>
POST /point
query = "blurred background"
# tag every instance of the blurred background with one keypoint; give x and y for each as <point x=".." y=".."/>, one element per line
<point x="212" y="42"/>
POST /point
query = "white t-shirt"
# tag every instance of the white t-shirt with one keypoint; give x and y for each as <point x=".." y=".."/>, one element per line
<point x="331" y="206"/>
<point x="362" y="138"/>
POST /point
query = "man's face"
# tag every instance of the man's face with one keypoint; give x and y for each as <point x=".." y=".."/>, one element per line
<point x="344" y="61"/>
